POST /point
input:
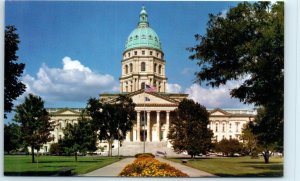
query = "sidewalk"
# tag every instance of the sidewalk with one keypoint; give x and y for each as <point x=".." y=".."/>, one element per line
<point x="111" y="170"/>
<point x="192" y="172"/>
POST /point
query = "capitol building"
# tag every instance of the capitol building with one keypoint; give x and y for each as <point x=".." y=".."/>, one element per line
<point x="143" y="64"/>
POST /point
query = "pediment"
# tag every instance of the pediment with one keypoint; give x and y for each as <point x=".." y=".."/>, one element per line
<point x="218" y="112"/>
<point x="67" y="111"/>
<point x="150" y="98"/>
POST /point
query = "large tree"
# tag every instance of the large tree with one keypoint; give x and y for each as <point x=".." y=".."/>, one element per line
<point x="248" y="43"/>
<point x="13" y="87"/>
<point x="113" y="119"/>
<point x="12" y="137"/>
<point x="35" y="123"/>
<point x="189" y="131"/>
<point x="79" y="137"/>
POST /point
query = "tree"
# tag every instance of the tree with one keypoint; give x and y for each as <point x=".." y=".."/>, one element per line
<point x="112" y="120"/>
<point x="12" y="137"/>
<point x="248" y="43"/>
<point x="35" y="122"/>
<point x="229" y="147"/>
<point x="189" y="131"/>
<point x="267" y="138"/>
<point x="56" y="148"/>
<point x="13" y="87"/>
<point x="79" y="137"/>
<point x="249" y="141"/>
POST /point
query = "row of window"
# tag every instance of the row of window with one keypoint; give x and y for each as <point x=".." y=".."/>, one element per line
<point x="143" y="52"/>
<point x="230" y="126"/>
<point x="156" y="68"/>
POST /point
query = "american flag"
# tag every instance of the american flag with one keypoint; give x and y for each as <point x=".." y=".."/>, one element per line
<point x="149" y="88"/>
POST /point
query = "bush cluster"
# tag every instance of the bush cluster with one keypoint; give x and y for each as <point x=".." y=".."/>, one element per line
<point x="150" y="167"/>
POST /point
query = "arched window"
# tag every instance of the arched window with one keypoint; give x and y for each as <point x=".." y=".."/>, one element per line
<point x="126" y="69"/>
<point x="154" y="69"/>
<point x="131" y="69"/>
<point x="223" y="128"/>
<point x="143" y="85"/>
<point x="143" y="66"/>
<point x="159" y="69"/>
<point x="217" y="127"/>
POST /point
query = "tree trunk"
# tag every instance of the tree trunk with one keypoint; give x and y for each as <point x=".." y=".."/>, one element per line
<point x="76" y="156"/>
<point x="266" y="156"/>
<point x="32" y="154"/>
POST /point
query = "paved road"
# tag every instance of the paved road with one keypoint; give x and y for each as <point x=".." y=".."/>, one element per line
<point x="192" y="172"/>
<point x="112" y="169"/>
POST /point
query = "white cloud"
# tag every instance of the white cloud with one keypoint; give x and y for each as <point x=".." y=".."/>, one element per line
<point x="173" y="88"/>
<point x="74" y="82"/>
<point x="215" y="97"/>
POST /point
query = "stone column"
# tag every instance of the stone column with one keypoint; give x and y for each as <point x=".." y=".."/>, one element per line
<point x="148" y="126"/>
<point x="167" y="124"/>
<point x="138" y="126"/>
<point x="158" y="125"/>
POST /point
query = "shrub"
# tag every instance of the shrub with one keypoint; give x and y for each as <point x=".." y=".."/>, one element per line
<point x="150" y="167"/>
<point x="144" y="155"/>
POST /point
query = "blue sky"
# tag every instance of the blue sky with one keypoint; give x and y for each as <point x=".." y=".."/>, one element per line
<point x="73" y="50"/>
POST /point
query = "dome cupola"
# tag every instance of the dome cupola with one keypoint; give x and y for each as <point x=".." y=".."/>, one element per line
<point x="143" y="36"/>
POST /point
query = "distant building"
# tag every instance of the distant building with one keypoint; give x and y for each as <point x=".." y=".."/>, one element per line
<point x="143" y="64"/>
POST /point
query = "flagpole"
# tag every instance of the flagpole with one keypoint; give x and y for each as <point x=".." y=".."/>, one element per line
<point x="144" y="116"/>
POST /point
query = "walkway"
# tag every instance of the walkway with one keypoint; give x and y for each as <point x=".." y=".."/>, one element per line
<point x="192" y="172"/>
<point x="115" y="168"/>
<point x="112" y="169"/>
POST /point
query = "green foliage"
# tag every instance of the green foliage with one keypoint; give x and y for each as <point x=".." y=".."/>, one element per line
<point x="12" y="137"/>
<point x="56" y="148"/>
<point x="13" y="87"/>
<point x="229" y="147"/>
<point x="189" y="131"/>
<point x="34" y="121"/>
<point x="112" y="120"/>
<point x="144" y="155"/>
<point x="248" y="42"/>
<point x="250" y="145"/>
<point x="79" y="137"/>
<point x="266" y="127"/>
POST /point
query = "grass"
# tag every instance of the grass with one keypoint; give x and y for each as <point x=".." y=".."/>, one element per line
<point x="50" y="165"/>
<point x="237" y="166"/>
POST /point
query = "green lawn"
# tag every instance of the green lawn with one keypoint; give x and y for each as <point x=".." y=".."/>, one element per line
<point x="237" y="166"/>
<point x="50" y="165"/>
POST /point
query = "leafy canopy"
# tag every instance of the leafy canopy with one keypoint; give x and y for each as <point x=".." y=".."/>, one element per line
<point x="34" y="121"/>
<point x="13" y="87"/>
<point x="112" y="120"/>
<point x="189" y="131"/>
<point x="79" y="137"/>
<point x="248" y="43"/>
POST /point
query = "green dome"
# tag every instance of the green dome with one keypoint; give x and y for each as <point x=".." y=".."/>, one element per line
<point x="143" y="35"/>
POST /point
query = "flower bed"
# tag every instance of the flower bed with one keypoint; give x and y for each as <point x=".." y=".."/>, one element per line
<point x="150" y="167"/>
